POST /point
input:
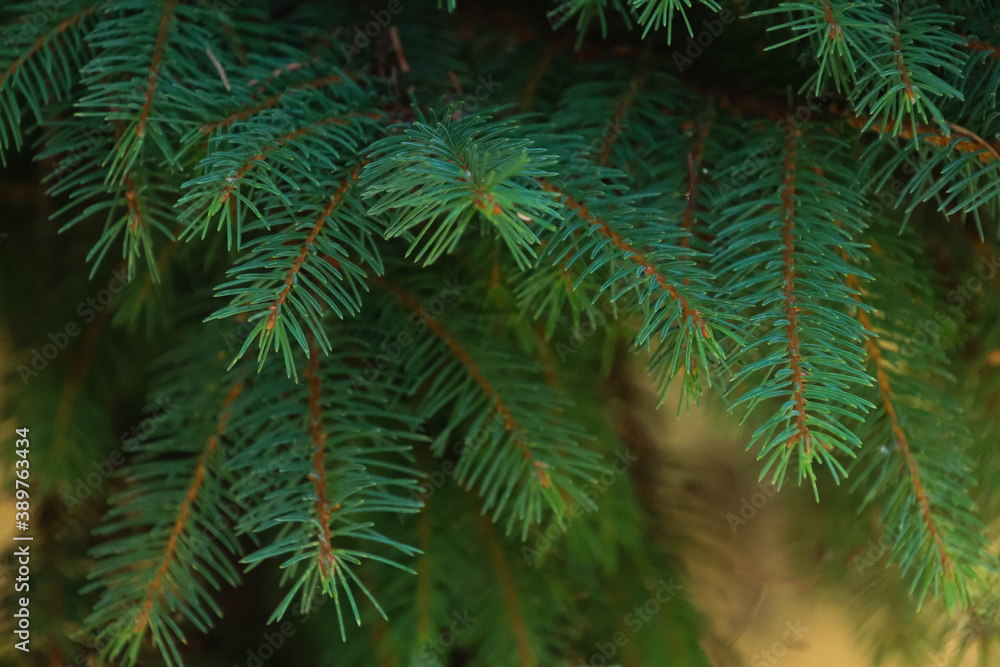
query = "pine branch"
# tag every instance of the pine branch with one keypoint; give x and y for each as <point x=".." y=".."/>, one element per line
<point x="679" y="316"/>
<point x="147" y="577"/>
<point x="262" y="165"/>
<point x="184" y="513"/>
<point x="502" y="411"/>
<point x="155" y="66"/>
<point x="778" y="247"/>
<point x="287" y="280"/>
<point x="961" y="171"/>
<point x="47" y="67"/>
<point x="136" y="211"/>
<point x="701" y="131"/>
<point x="440" y="175"/>
<point x="318" y="463"/>
<point x="525" y="653"/>
<point x="902" y="80"/>
<point x="932" y="526"/>
<point x="270" y="102"/>
<point x="633" y="255"/>
<point x="585" y="11"/>
<point x="519" y="456"/>
<point x="879" y="55"/>
<point x="656" y="14"/>
<point x="842" y="35"/>
<point x="801" y="436"/>
<point x="624" y="123"/>
<point x="142" y="93"/>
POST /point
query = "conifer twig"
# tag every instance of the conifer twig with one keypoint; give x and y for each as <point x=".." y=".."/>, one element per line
<point x="197" y="479"/>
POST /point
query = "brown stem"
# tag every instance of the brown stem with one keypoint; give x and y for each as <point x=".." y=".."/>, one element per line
<point x="510" y="424"/>
<point x="154" y="68"/>
<point x="902" y="442"/>
<point x="791" y="308"/>
<point x="184" y="513"/>
<point x="327" y="562"/>
<point x="275" y="307"/>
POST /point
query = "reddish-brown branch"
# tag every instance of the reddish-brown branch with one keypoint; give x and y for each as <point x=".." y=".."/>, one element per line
<point x="621" y="110"/>
<point x="932" y="136"/>
<point x="484" y="201"/>
<point x="197" y="479"/>
<point x="528" y="96"/>
<point x="161" y="263"/>
<point x="901" y="66"/>
<point x="397" y="46"/>
<point x="976" y="45"/>
<point x="268" y="103"/>
<point x="791" y="308"/>
<point x="132" y="198"/>
<point x="235" y="41"/>
<point x="694" y="163"/>
<point x="510" y="424"/>
<point x="902" y="442"/>
<point x="154" y="68"/>
<point x="545" y="357"/>
<point x="275" y="307"/>
<point x="40" y="42"/>
<point x="455" y="83"/>
<point x="281" y="141"/>
<point x="508" y="590"/>
<point x="327" y="563"/>
<point x="990" y="147"/>
<point x="835" y="32"/>
<point x="277" y="73"/>
<point x="633" y="254"/>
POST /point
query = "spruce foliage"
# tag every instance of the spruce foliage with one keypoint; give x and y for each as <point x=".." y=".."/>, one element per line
<point x="420" y="274"/>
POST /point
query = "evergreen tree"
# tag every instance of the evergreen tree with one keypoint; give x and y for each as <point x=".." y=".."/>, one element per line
<point x="372" y="268"/>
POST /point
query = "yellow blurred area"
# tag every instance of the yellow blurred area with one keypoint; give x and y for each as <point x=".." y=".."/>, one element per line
<point x="744" y="591"/>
